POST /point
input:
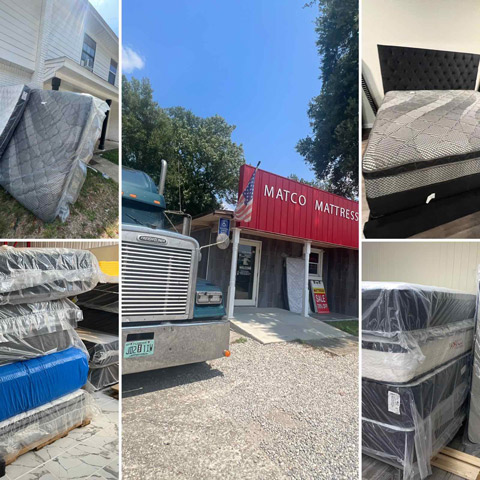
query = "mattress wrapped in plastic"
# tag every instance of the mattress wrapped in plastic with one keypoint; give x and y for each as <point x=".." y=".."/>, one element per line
<point x="390" y="307"/>
<point x="100" y="320"/>
<point x="409" y="330"/>
<point x="35" y="329"/>
<point x="30" y="275"/>
<point x="405" y="425"/>
<point x="103" y="297"/>
<point x="102" y="347"/>
<point x="44" y="163"/>
<point x="102" y="377"/>
<point x="13" y="100"/>
<point x="29" y="384"/>
<point x="424" y="146"/>
<point x="474" y="413"/>
<point x="39" y="425"/>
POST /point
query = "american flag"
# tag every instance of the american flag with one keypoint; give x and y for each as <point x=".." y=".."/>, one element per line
<point x="243" y="211"/>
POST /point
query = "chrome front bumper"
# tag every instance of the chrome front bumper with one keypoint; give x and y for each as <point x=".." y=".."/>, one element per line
<point x="177" y="344"/>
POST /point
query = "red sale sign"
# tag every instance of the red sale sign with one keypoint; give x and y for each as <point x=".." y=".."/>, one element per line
<point x="319" y="296"/>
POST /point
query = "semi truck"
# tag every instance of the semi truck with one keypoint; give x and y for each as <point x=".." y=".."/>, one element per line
<point x="169" y="317"/>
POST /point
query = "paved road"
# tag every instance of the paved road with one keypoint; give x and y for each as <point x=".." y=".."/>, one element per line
<point x="269" y="411"/>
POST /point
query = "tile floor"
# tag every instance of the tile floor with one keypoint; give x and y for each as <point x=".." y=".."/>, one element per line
<point x="88" y="452"/>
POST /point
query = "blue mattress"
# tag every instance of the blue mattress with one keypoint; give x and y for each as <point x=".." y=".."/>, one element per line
<point x="32" y="383"/>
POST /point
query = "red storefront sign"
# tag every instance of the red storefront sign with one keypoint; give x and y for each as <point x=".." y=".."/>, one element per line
<point x="286" y="207"/>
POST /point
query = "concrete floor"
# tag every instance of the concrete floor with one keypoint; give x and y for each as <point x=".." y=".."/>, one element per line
<point x="274" y="325"/>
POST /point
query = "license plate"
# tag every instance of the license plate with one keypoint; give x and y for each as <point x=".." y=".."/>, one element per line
<point x="140" y="348"/>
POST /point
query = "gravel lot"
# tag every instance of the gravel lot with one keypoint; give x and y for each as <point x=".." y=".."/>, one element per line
<point x="268" y="411"/>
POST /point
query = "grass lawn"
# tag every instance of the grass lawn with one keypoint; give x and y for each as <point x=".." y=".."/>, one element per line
<point x="111" y="155"/>
<point x="94" y="215"/>
<point x="349" y="326"/>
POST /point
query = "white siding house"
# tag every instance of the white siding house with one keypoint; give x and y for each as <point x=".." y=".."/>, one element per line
<point x="65" y="43"/>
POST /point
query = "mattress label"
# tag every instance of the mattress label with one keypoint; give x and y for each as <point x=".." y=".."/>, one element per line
<point x="24" y="95"/>
<point x="394" y="403"/>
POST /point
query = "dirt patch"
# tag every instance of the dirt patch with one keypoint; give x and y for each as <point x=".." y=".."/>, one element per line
<point x="94" y="215"/>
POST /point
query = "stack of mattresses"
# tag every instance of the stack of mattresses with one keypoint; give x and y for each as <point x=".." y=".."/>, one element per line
<point x="46" y="139"/>
<point x="416" y="369"/>
<point x="474" y="414"/>
<point x="104" y="357"/>
<point x="43" y="362"/>
<point x="99" y="333"/>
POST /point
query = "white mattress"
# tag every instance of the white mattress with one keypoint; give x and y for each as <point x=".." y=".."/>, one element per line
<point x="422" y="352"/>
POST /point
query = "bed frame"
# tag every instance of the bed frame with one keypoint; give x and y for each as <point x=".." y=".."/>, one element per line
<point x="406" y="68"/>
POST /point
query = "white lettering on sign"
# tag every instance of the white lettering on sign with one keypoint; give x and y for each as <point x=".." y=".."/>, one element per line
<point x="297" y="199"/>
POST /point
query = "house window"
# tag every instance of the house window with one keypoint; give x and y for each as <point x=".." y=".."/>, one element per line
<point x="112" y="74"/>
<point x="315" y="263"/>
<point x="88" y="52"/>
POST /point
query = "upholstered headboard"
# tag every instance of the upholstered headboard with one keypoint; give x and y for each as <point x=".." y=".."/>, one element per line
<point x="405" y="68"/>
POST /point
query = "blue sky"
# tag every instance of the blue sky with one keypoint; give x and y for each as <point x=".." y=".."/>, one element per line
<point x="108" y="9"/>
<point x="254" y="62"/>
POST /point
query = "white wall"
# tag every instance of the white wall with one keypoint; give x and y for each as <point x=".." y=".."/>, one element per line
<point x="436" y="24"/>
<point x="442" y="264"/>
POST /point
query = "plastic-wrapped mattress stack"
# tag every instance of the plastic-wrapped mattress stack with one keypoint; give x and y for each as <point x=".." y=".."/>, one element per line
<point x="99" y="333"/>
<point x="416" y="371"/>
<point x="474" y="413"/>
<point x="43" y="362"/>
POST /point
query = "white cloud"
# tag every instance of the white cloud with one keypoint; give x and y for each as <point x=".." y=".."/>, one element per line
<point x="131" y="60"/>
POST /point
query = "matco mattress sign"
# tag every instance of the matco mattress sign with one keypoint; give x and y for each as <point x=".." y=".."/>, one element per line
<point x="287" y="207"/>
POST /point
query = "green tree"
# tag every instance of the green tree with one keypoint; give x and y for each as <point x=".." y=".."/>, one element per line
<point x="203" y="161"/>
<point x="332" y="149"/>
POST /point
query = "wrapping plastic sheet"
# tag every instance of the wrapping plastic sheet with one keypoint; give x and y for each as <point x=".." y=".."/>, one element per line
<point x="101" y="377"/>
<point x="474" y="414"/>
<point x="389" y="308"/>
<point x="103" y="297"/>
<point x="100" y="320"/>
<point x="30" y="384"/>
<point x="102" y="347"/>
<point x="33" y="330"/>
<point x="405" y="425"/>
<point x="41" y="274"/>
<point x="411" y="354"/>
<point x="44" y="164"/>
<point x="13" y="100"/>
<point x="34" y="427"/>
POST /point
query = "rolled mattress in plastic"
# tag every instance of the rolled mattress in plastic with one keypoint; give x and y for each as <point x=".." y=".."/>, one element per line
<point x="13" y="100"/>
<point x="29" y="384"/>
<point x="36" y="329"/>
<point x="37" y="426"/>
<point x="411" y="354"/>
<point x="403" y="404"/>
<point x="29" y="275"/>
<point x="44" y="164"/>
<point x="389" y="307"/>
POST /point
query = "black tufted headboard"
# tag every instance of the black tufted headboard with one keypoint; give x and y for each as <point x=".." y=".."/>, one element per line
<point x="405" y="68"/>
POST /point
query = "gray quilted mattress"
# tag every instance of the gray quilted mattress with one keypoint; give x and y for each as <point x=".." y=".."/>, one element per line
<point x="44" y="164"/>
<point x="424" y="145"/>
<point x="13" y="100"/>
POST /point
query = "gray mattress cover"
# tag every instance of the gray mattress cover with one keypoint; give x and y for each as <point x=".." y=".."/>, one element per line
<point x="421" y="138"/>
<point x="13" y="100"/>
<point x="44" y="164"/>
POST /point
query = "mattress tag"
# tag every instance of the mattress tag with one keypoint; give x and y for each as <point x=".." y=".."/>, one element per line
<point x="430" y="197"/>
<point x="24" y="95"/>
<point x="394" y="402"/>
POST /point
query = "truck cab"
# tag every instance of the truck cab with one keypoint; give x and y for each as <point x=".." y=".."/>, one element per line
<point x="169" y="316"/>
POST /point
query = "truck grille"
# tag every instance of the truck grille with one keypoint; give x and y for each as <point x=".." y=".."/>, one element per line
<point x="155" y="280"/>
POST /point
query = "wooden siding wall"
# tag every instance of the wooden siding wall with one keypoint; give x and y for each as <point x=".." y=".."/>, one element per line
<point x="340" y="274"/>
<point x="441" y="264"/>
<point x="340" y="270"/>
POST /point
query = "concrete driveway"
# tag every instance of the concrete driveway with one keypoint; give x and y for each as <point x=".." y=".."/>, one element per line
<point x="274" y="325"/>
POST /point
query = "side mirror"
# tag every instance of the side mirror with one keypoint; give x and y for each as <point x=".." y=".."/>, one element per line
<point x="222" y="242"/>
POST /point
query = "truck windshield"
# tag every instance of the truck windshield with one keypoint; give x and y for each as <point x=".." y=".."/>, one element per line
<point x="141" y="214"/>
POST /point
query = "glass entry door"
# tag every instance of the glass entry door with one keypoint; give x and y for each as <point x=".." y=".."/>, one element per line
<point x="248" y="270"/>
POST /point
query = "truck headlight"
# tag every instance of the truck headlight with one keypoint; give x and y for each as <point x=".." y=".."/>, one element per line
<point x="209" y="298"/>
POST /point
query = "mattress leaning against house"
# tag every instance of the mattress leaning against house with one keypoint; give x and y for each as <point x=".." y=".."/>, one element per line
<point x="44" y="164"/>
<point x="424" y="146"/>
